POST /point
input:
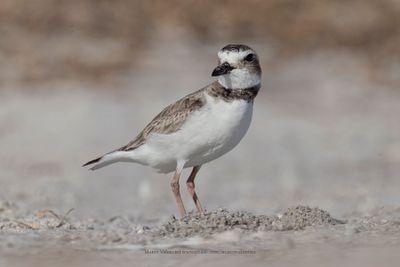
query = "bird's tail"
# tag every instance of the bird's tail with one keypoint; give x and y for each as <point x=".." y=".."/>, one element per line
<point x="107" y="159"/>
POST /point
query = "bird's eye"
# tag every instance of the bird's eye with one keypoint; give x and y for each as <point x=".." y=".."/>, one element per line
<point x="250" y="57"/>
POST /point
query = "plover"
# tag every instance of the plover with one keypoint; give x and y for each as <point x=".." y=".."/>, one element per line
<point x="200" y="127"/>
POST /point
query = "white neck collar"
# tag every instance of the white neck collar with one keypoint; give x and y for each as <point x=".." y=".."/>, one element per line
<point x="239" y="79"/>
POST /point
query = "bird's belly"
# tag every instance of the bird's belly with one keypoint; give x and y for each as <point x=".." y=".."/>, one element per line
<point x="208" y="134"/>
<point x="218" y="145"/>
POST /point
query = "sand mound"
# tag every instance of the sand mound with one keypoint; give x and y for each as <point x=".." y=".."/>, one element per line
<point x="296" y="218"/>
<point x="299" y="217"/>
<point x="126" y="230"/>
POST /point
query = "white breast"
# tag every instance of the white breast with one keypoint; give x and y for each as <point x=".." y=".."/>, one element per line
<point x="208" y="133"/>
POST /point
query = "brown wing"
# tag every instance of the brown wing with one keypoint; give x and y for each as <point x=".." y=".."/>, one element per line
<point x="169" y="120"/>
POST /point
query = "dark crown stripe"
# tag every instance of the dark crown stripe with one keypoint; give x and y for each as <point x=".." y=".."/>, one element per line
<point x="236" y="47"/>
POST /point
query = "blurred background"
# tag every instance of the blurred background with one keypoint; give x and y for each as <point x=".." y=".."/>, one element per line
<point x="80" y="78"/>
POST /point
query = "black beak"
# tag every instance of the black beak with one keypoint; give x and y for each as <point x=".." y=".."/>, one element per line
<point x="222" y="69"/>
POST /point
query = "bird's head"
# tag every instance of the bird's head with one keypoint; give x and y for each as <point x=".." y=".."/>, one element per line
<point x="238" y="67"/>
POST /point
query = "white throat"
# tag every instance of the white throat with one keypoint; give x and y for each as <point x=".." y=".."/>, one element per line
<point x="239" y="79"/>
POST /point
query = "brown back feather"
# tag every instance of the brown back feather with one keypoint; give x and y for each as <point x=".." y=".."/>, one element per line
<point x="170" y="119"/>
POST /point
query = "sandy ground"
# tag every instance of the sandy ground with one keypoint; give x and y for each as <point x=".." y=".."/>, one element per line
<point x="324" y="135"/>
<point x="300" y="236"/>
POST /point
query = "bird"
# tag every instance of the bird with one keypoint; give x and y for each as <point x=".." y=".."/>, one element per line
<point x="200" y="127"/>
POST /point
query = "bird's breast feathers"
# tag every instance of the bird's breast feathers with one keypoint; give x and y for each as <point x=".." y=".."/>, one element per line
<point x="207" y="133"/>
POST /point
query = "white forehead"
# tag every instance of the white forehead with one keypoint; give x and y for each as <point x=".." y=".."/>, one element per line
<point x="233" y="57"/>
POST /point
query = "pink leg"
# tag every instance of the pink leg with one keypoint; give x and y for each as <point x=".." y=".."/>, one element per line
<point x="177" y="194"/>
<point x="190" y="188"/>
